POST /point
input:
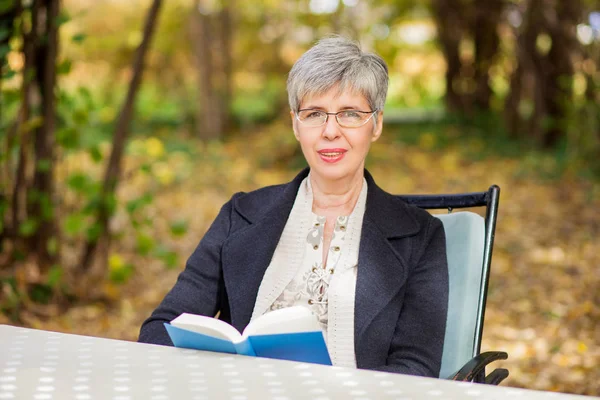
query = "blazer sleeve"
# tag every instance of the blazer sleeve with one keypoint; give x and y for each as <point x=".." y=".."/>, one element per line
<point x="418" y="340"/>
<point x="198" y="288"/>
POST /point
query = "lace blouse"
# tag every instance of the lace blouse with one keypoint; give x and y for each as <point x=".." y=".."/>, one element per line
<point x="310" y="286"/>
<point x="297" y="276"/>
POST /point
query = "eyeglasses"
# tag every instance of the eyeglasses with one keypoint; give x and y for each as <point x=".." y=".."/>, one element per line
<point x="345" y="118"/>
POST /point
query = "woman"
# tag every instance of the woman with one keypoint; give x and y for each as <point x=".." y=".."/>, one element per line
<point x="371" y="268"/>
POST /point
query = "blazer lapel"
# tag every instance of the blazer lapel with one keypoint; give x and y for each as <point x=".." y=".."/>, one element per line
<point x="382" y="270"/>
<point x="248" y="252"/>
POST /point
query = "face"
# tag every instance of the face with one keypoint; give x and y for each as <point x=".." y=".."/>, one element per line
<point x="332" y="152"/>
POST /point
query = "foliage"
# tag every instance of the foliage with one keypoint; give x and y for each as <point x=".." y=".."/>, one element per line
<point x="483" y="136"/>
<point x="539" y="309"/>
<point x="81" y="155"/>
<point x="173" y="185"/>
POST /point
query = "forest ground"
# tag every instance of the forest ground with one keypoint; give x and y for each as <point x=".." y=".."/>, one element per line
<point x="543" y="305"/>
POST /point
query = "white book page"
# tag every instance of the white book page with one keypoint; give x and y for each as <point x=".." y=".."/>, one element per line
<point x="286" y="320"/>
<point x="208" y="326"/>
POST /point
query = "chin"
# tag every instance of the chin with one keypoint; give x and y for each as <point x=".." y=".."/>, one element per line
<point x="333" y="173"/>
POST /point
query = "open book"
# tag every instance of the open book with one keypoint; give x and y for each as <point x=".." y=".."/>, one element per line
<point x="291" y="333"/>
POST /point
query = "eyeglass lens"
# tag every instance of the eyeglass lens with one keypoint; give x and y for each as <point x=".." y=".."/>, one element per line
<point x="346" y="118"/>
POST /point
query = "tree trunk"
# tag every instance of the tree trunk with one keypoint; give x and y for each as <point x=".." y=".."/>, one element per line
<point x="43" y="179"/>
<point x="449" y="22"/>
<point x="19" y="193"/>
<point x="487" y="41"/>
<point x="527" y="78"/>
<point x="7" y="23"/>
<point x="96" y="250"/>
<point x="546" y="80"/>
<point x="559" y="79"/>
<point x="226" y="53"/>
<point x="592" y="91"/>
<point x="8" y="15"/>
<point x="209" y="114"/>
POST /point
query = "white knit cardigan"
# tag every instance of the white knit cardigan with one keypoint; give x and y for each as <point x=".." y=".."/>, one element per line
<point x="288" y="257"/>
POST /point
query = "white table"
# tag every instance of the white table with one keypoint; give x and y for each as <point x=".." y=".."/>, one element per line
<point x="36" y="364"/>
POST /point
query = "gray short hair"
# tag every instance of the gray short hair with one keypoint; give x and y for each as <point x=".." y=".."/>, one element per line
<point x="338" y="61"/>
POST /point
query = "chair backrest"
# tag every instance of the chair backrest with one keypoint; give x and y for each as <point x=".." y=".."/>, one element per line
<point x="469" y="244"/>
<point x="464" y="249"/>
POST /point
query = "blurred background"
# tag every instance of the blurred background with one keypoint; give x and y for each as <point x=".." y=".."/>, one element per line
<point x="125" y="125"/>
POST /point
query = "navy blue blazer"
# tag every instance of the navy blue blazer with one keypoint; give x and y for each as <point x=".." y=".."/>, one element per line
<point x="401" y="287"/>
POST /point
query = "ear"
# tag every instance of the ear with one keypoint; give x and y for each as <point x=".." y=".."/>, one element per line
<point x="378" y="127"/>
<point x="295" y="125"/>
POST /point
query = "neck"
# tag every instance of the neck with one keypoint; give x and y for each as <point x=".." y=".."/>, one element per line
<point x="335" y="198"/>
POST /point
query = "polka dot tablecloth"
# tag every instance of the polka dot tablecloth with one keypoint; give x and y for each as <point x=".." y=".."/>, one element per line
<point x="40" y="365"/>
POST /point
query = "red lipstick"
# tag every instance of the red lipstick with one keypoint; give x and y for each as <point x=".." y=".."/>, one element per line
<point x="332" y="155"/>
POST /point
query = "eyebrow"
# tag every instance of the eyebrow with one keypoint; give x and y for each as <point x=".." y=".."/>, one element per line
<point x="343" y="108"/>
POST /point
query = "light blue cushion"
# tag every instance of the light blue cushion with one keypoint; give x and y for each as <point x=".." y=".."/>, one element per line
<point x="465" y="238"/>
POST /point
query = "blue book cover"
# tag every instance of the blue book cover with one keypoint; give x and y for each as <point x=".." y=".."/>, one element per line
<point x="263" y="339"/>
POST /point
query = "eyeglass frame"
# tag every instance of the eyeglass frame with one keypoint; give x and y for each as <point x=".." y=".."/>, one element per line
<point x="327" y="114"/>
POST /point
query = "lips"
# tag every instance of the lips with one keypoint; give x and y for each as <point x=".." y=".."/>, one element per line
<point x="332" y="155"/>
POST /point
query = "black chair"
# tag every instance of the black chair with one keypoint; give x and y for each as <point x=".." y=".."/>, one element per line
<point x="469" y="241"/>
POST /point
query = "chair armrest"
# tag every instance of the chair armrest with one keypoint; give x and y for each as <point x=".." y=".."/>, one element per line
<point x="474" y="369"/>
<point x="496" y="376"/>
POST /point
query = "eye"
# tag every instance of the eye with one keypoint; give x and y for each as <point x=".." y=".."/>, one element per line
<point x="350" y="114"/>
<point x="310" y="114"/>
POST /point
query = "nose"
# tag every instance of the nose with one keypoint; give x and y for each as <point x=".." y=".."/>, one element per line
<point x="331" y="129"/>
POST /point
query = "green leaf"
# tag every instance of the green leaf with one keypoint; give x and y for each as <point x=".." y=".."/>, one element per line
<point x="144" y="244"/>
<point x="146" y="168"/>
<point x="4" y="50"/>
<point x="95" y="153"/>
<point x="139" y="203"/>
<point x="28" y="227"/>
<point x="64" y="67"/>
<point x="91" y="207"/>
<point x="41" y="293"/>
<point x="9" y="74"/>
<point x="85" y="93"/>
<point x="62" y="18"/>
<point x="55" y="276"/>
<point x="179" y="228"/>
<point x="11" y="96"/>
<point x="52" y="246"/>
<point x="81" y="183"/>
<point x="74" y="224"/>
<point x="68" y="138"/>
<point x="78" y="182"/>
<point x="168" y="257"/>
<point x="135" y="223"/>
<point x="81" y="117"/>
<point x="94" y="232"/>
<point x="4" y="33"/>
<point x="121" y="274"/>
<point x="78" y="38"/>
<point x="6" y="5"/>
